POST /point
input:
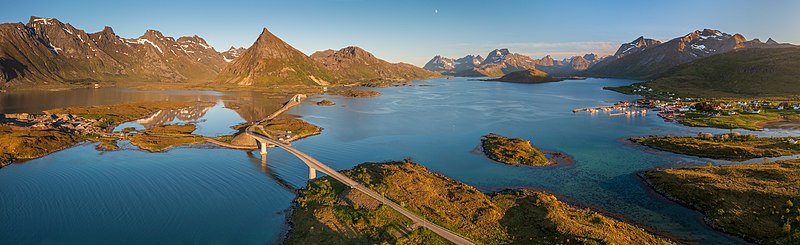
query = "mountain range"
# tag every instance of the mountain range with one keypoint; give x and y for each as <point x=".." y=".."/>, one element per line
<point x="748" y="72"/>
<point x="46" y="51"/>
<point x="647" y="58"/>
<point x="500" y="62"/>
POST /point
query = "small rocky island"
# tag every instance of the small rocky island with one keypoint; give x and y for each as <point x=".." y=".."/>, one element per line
<point x="325" y="103"/>
<point x="327" y="212"/>
<point x="527" y="76"/>
<point x="512" y="151"/>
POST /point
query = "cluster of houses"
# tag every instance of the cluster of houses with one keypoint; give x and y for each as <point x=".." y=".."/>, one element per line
<point x="752" y="107"/>
<point x="670" y="110"/>
<point x="63" y="122"/>
<point x="738" y="136"/>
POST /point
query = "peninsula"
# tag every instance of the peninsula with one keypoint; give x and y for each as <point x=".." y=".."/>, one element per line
<point x="755" y="201"/>
<point x="327" y="211"/>
<point x="731" y="146"/>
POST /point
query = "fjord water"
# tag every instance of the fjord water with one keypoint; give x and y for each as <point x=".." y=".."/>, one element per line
<point x="205" y="194"/>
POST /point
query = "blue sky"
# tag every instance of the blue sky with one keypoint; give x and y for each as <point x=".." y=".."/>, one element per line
<point x="414" y="31"/>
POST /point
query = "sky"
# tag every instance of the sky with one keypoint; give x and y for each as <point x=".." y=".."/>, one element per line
<point x="414" y="31"/>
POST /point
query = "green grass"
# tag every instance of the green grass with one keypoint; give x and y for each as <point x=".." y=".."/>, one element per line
<point x="509" y="217"/>
<point x="730" y="147"/>
<point x="355" y="93"/>
<point x="750" y="200"/>
<point x="748" y="73"/>
<point x="512" y="151"/>
<point x="32" y="143"/>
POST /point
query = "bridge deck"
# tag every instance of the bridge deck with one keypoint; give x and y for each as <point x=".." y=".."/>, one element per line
<point x="315" y="164"/>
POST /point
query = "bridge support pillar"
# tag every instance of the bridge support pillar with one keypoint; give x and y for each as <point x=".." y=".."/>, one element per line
<point x="263" y="160"/>
<point x="312" y="173"/>
<point x="263" y="148"/>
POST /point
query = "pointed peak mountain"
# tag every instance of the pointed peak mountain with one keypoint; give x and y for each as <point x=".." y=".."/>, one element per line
<point x="271" y="61"/>
<point x="107" y="30"/>
<point x="770" y="41"/>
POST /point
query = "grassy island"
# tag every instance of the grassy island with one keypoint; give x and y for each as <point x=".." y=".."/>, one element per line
<point x="512" y="151"/>
<point x="290" y="129"/>
<point x="755" y="201"/>
<point x="328" y="212"/>
<point x="163" y="137"/>
<point x="356" y="93"/>
<point x="325" y="103"/>
<point x="730" y="146"/>
<point x="527" y="76"/>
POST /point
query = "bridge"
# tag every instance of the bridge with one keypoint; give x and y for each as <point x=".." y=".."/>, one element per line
<point x="314" y="165"/>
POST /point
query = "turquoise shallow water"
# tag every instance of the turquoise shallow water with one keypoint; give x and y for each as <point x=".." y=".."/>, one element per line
<point x="202" y="194"/>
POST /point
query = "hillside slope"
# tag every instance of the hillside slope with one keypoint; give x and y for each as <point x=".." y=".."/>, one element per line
<point x="752" y="72"/>
<point x="271" y="61"/>
<point x="353" y="64"/>
<point x="648" y="58"/>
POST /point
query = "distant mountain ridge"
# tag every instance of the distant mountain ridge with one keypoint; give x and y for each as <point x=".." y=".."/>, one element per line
<point x="232" y="53"/>
<point x="45" y="50"/>
<point x="647" y="58"/>
<point x="500" y="62"/>
<point x="748" y="72"/>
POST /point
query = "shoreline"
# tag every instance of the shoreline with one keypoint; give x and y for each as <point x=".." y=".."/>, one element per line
<point x="706" y="219"/>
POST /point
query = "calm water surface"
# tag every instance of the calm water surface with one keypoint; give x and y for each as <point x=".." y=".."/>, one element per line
<point x="209" y="195"/>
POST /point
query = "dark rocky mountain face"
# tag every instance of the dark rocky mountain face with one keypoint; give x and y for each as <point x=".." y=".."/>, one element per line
<point x="647" y="58"/>
<point x="449" y="66"/>
<point x="47" y="51"/>
<point x="637" y="45"/>
<point x="468" y="62"/>
<point x="440" y="64"/>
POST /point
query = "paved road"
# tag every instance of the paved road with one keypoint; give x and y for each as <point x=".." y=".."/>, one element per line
<point x="313" y="163"/>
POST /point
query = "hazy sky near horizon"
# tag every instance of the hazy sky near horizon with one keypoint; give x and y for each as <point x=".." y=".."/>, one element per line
<point x="415" y="31"/>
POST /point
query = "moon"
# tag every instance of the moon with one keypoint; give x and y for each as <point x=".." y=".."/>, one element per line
<point x="435" y="11"/>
